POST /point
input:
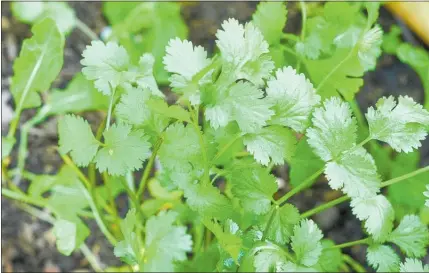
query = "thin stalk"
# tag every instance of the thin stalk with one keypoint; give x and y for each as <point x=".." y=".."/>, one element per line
<point x="109" y="113"/>
<point x="345" y="198"/>
<point x="79" y="173"/>
<point x="148" y="169"/>
<point x="22" y="197"/>
<point x="208" y="238"/>
<point x="349" y="244"/>
<point x="404" y="177"/>
<point x="289" y="50"/>
<point x="353" y="263"/>
<point x="270" y="221"/>
<point x="290" y="36"/>
<point x="86" y="30"/>
<point x="300" y="187"/>
<point x="303" y="28"/>
<point x="92" y="174"/>
<point x="134" y="200"/>
<point x="324" y="206"/>
<point x="203" y="152"/>
<point x="91" y="258"/>
<point x="97" y="216"/>
<point x="114" y="208"/>
<point x="22" y="150"/>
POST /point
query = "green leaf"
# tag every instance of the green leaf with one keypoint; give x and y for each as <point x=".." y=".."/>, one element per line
<point x="70" y="235"/>
<point x="383" y="258"/>
<point x="174" y="111"/>
<point x="115" y="12"/>
<point x="79" y="95"/>
<point x="132" y="107"/>
<point x="27" y="12"/>
<point x="304" y="163"/>
<point x="369" y="48"/>
<point x="165" y="243"/>
<point x="401" y="124"/>
<point x="378" y="214"/>
<point x="284" y="219"/>
<point x="179" y="52"/>
<point x="124" y="150"/>
<point x="392" y="40"/>
<point x="60" y="12"/>
<point x="264" y="257"/>
<point x="306" y="242"/>
<point x="291" y="267"/>
<point x="413" y="265"/>
<point x="270" y="18"/>
<point x="334" y="129"/>
<point x="355" y="174"/>
<point x="243" y="103"/>
<point x="228" y="238"/>
<point x="106" y="64"/>
<point x="253" y="186"/>
<point x="418" y="59"/>
<point x="41" y="184"/>
<point x="128" y="250"/>
<point x="271" y="143"/>
<point x="293" y="97"/>
<point x="244" y="50"/>
<point x="208" y="201"/>
<point x="345" y="81"/>
<point x="412" y="236"/>
<point x="180" y="151"/>
<point x="331" y="258"/>
<point x="65" y="232"/>
<point x="412" y="187"/>
<point x="75" y="136"/>
<point x="38" y="64"/>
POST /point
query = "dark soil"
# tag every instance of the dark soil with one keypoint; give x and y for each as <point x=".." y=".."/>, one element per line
<point x="28" y="244"/>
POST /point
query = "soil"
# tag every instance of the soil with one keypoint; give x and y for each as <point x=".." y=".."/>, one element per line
<point x="28" y="244"/>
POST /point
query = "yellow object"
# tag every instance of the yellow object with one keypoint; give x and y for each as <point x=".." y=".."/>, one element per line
<point x="414" y="14"/>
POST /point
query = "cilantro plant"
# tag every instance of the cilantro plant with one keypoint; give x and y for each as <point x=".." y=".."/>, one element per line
<point x="197" y="173"/>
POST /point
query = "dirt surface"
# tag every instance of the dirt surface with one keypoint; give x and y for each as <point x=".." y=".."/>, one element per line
<point x="28" y="244"/>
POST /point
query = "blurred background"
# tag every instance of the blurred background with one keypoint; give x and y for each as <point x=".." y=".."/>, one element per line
<point x="29" y="245"/>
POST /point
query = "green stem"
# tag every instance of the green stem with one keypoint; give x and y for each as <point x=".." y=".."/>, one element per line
<point x="349" y="244"/>
<point x="354" y="264"/>
<point x="324" y="206"/>
<point x="290" y="36"/>
<point x="148" y="169"/>
<point x="303" y="28"/>
<point x="203" y="151"/>
<point x="404" y="177"/>
<point x="86" y="30"/>
<point x="92" y="174"/>
<point x="109" y="113"/>
<point x="270" y="221"/>
<point x="289" y="50"/>
<point x="81" y="176"/>
<point x="22" y="198"/>
<point x="22" y="150"/>
<point x="300" y="187"/>
<point x="97" y="216"/>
